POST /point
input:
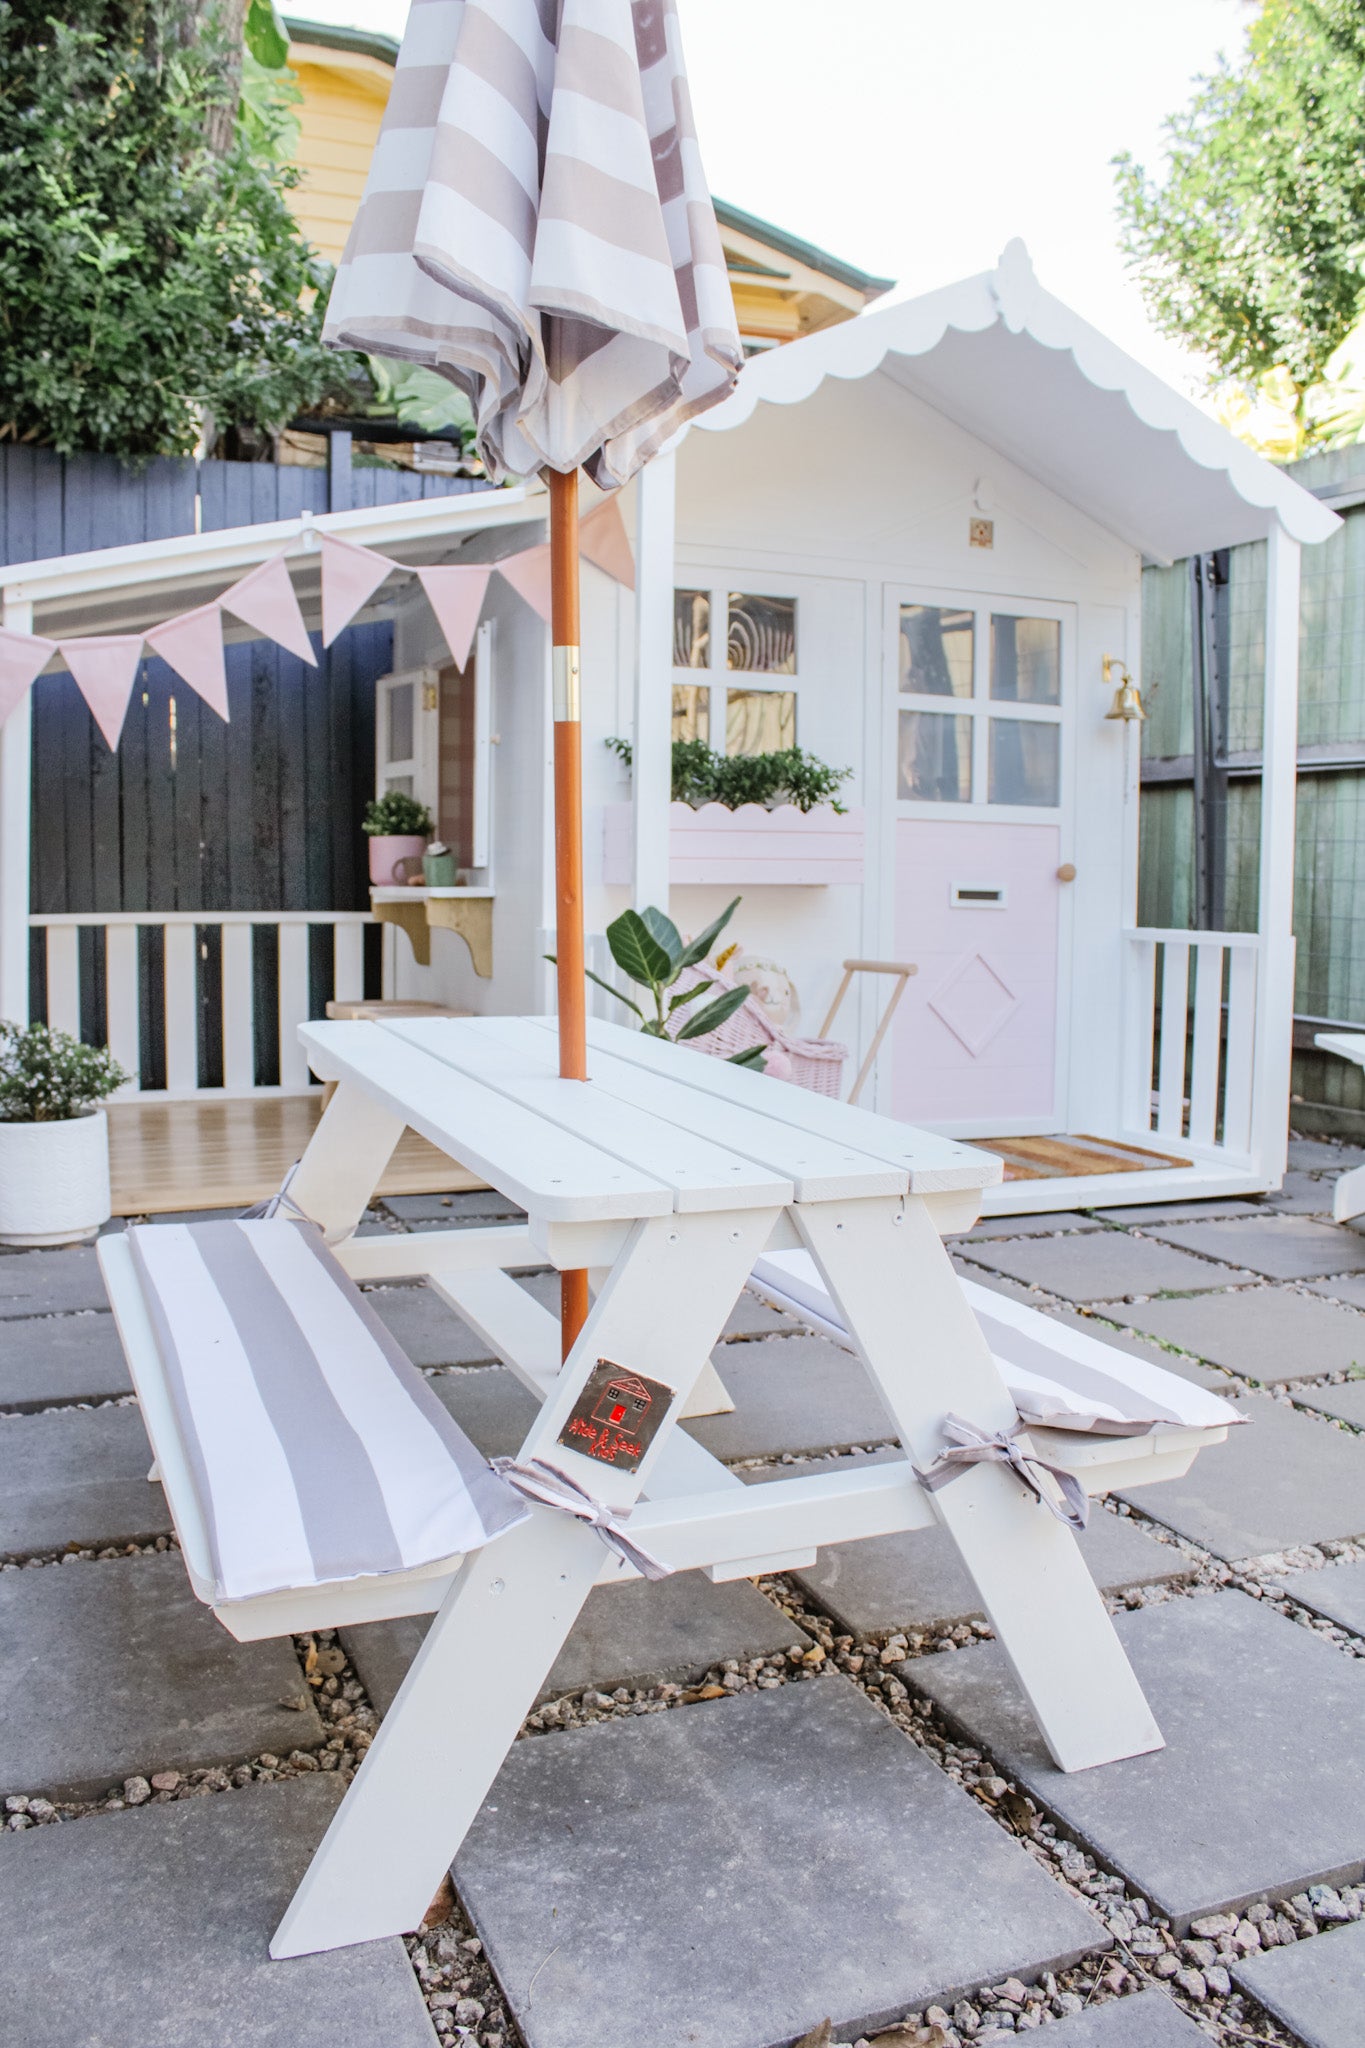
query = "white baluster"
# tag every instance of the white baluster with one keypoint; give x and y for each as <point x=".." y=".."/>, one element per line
<point x="293" y="1003"/>
<point x="64" y="978"/>
<point x="1239" y="1070"/>
<point x="182" y="1009"/>
<point x="1175" y="977"/>
<point x="121" y="1006"/>
<point x="348" y="963"/>
<point x="1208" y="1043"/>
<point x="239" y="1042"/>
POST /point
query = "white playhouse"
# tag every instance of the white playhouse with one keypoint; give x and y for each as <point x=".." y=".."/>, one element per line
<point x="913" y="545"/>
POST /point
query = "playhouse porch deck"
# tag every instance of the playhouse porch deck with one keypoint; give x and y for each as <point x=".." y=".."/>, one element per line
<point x="170" y="1156"/>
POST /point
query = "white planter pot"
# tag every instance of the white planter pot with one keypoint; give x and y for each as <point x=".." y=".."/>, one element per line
<point x="54" y="1180"/>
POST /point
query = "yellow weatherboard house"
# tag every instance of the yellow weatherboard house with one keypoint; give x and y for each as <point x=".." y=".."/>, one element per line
<point x="783" y="287"/>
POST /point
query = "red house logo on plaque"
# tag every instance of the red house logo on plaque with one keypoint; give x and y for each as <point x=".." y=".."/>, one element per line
<point x="617" y="1415"/>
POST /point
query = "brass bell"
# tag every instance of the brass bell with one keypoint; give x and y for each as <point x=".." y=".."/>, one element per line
<point x="1127" y="704"/>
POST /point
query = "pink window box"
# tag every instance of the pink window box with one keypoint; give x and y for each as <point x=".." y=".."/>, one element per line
<point x="750" y="845"/>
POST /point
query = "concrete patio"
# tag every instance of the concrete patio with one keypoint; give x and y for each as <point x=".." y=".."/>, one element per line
<point x="739" y="1812"/>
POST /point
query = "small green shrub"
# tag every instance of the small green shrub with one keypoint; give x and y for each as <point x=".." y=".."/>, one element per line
<point x="790" y="776"/>
<point x="396" y="815"/>
<point x="47" y="1076"/>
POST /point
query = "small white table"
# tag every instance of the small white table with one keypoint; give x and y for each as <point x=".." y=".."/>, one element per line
<point x="667" y="1174"/>
<point x="1348" y="1195"/>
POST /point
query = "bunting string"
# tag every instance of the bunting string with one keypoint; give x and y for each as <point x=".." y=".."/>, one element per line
<point x="104" y="666"/>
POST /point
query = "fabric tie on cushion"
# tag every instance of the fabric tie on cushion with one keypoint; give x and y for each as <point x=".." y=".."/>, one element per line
<point x="973" y="1446"/>
<point x="555" y="1489"/>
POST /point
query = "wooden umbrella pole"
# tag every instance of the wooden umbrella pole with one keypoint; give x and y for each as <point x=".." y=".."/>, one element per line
<point x="573" y="1046"/>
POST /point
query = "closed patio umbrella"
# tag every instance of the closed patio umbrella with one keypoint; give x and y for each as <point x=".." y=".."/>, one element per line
<point x="537" y="228"/>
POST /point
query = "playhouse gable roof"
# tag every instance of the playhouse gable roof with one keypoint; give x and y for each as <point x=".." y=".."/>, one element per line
<point x="1012" y="365"/>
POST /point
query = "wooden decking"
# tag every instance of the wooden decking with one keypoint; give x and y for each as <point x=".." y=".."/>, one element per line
<point x="167" y="1156"/>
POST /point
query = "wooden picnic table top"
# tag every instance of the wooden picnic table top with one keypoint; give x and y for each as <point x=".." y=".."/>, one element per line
<point x="656" y="1128"/>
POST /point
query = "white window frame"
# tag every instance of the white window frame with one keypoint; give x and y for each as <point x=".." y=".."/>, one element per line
<point x="716" y="678"/>
<point x="981" y="707"/>
<point x="423" y="766"/>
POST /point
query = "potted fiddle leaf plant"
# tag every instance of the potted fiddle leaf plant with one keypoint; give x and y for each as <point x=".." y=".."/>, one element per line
<point x="398" y="828"/>
<point x="54" y="1135"/>
<point x="648" y="947"/>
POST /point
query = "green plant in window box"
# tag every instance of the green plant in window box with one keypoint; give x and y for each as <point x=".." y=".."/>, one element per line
<point x="396" y="815"/>
<point x="789" y="776"/>
<point x="648" y="947"/>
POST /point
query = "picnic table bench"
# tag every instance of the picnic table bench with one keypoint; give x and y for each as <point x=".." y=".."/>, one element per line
<point x="1348" y="1194"/>
<point x="669" y="1176"/>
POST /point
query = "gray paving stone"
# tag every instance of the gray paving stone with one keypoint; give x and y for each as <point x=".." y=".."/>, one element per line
<point x="729" y="1874"/>
<point x="634" y="1634"/>
<point x="491" y="1405"/>
<point x="1265" y="1730"/>
<point x="61" y="1358"/>
<point x="429" y="1331"/>
<point x="792" y="1394"/>
<point x="1317" y="1987"/>
<point x="751" y="1316"/>
<point x="45" y="1283"/>
<point x="1345" y="1400"/>
<point x="112" y="1668"/>
<point x="1265" y="1333"/>
<point x="1337" y="1592"/>
<point x="1286" y="1479"/>
<point x="1026" y="1226"/>
<point x="476" y="1205"/>
<point x="999" y="1283"/>
<point x="1277" y="1247"/>
<point x="917" y="1581"/>
<point x="150" y="1930"/>
<point x="1302" y="1194"/>
<point x="1104" y="1265"/>
<point x="78" y="1476"/>
<point x="1347" y="1287"/>
<point x="1179" y="1212"/>
<point x="1317" y="1155"/>
<point x="1147" y="2020"/>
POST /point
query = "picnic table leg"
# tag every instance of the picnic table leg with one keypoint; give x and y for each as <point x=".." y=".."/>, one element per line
<point x="1348" y="1195"/>
<point x="513" y="1603"/>
<point x="344" y="1160"/>
<point x="905" y="1312"/>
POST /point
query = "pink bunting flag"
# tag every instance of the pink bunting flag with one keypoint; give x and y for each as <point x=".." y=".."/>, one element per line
<point x="456" y="596"/>
<point x="23" y="657"/>
<point x="264" y="598"/>
<point x="350" y="577"/>
<point x="603" y="540"/>
<point x="529" y="575"/>
<point x="193" y="646"/>
<point x="105" y="669"/>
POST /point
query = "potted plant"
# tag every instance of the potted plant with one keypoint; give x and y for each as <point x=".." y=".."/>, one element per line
<point x="54" y="1139"/>
<point x="398" y="827"/>
<point x="648" y="948"/>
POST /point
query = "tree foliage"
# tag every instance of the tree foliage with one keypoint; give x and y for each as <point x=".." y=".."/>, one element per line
<point x="1251" y="248"/>
<point x="149" y="283"/>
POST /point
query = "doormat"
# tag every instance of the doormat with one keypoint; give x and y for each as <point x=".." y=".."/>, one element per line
<point x="1061" y="1158"/>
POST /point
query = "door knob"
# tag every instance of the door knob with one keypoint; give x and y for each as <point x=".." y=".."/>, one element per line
<point x="1066" y="872"/>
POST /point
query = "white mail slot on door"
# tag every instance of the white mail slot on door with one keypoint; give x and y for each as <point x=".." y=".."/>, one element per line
<point x="977" y="896"/>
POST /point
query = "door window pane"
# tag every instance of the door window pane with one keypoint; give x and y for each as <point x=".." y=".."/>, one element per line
<point x="1026" y="660"/>
<point x="759" y="721"/>
<point x="761" y="635"/>
<point x="936" y="650"/>
<point x="401" y="709"/>
<point x="691" y="711"/>
<point x="691" y="629"/>
<point x="935" y="758"/>
<point x="1025" y="762"/>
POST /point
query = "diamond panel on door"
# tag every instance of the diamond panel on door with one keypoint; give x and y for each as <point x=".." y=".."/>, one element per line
<point x="976" y="910"/>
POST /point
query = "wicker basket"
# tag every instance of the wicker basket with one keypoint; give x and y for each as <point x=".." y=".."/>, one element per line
<point x="814" y="1063"/>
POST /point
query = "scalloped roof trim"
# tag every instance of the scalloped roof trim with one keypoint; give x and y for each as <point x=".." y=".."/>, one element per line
<point x="1011" y="296"/>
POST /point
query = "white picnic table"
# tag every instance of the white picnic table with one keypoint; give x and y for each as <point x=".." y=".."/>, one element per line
<point x="1348" y="1194"/>
<point x="667" y="1174"/>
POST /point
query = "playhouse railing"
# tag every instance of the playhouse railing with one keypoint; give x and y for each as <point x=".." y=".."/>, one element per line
<point x="197" y="1002"/>
<point x="1189" y="1037"/>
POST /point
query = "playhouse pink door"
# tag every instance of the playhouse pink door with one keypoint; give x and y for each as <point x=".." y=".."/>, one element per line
<point x="976" y="910"/>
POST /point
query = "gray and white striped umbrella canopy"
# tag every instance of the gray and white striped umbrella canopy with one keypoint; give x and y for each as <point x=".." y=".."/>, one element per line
<point x="536" y="226"/>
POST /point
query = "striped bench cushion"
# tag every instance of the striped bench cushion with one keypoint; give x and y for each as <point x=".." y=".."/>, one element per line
<point x="1059" y="1377"/>
<point x="318" y="1451"/>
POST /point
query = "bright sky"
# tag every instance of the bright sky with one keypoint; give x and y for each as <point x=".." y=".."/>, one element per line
<point x="915" y="137"/>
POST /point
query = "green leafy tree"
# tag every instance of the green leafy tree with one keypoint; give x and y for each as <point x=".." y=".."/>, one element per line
<point x="1251" y="247"/>
<point x="153" y="283"/>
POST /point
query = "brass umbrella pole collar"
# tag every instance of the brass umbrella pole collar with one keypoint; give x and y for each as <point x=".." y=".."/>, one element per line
<point x="565" y="673"/>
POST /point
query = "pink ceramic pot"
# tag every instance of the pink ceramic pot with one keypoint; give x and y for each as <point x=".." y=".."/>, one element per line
<point x="387" y="849"/>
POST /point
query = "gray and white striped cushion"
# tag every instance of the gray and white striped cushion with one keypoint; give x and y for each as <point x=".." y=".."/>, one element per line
<point x="536" y="226"/>
<point x="1059" y="1377"/>
<point x="318" y="1451"/>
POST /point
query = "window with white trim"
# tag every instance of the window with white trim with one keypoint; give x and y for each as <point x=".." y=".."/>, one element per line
<point x="979" y="706"/>
<point x="735" y="688"/>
